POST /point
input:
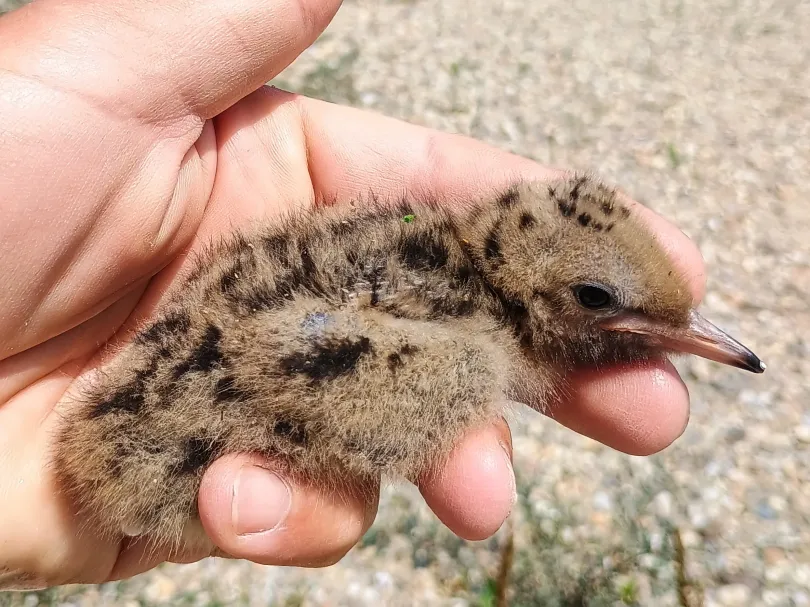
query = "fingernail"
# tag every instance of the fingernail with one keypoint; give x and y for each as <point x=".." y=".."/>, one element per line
<point x="261" y="501"/>
<point x="508" y="454"/>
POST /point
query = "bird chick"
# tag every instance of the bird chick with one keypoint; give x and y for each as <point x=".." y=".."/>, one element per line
<point x="358" y="342"/>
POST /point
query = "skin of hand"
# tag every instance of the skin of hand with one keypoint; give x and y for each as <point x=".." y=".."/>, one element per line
<point x="133" y="133"/>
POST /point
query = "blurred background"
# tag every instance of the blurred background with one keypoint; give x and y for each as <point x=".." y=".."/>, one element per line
<point x="701" y="110"/>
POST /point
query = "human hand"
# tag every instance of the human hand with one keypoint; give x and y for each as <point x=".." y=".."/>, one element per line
<point x="134" y="134"/>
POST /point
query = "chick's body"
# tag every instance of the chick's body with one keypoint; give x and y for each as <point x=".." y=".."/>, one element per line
<point x="357" y="342"/>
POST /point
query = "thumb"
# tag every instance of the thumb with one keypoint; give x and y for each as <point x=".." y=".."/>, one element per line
<point x="168" y="59"/>
<point x="251" y="511"/>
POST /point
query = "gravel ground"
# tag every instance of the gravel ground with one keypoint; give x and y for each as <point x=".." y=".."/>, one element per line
<point x="701" y="111"/>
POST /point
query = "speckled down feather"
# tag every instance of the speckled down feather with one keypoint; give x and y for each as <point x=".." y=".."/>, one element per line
<point x="359" y="341"/>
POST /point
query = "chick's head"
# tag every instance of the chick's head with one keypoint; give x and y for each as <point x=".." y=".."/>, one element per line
<point x="589" y="280"/>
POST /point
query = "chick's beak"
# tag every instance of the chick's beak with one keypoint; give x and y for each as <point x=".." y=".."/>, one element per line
<point x="698" y="337"/>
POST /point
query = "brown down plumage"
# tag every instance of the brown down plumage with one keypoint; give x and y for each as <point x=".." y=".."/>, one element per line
<point x="362" y="340"/>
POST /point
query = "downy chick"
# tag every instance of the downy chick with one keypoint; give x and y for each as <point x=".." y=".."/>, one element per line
<point x="359" y="342"/>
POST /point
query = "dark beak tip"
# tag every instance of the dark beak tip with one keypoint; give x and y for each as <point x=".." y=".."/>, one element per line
<point x="758" y="366"/>
<point x="751" y="362"/>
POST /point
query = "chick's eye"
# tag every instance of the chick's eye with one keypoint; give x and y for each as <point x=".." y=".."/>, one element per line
<point x="593" y="297"/>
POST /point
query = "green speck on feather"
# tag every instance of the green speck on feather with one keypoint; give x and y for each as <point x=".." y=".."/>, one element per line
<point x="409" y="218"/>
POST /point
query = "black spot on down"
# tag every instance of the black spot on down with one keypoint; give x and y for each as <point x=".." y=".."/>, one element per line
<point x="264" y="297"/>
<point x="509" y="198"/>
<point x="295" y="432"/>
<point x="424" y="251"/>
<point x="206" y="357"/>
<point x="394" y="361"/>
<point x="527" y="221"/>
<point x="230" y="278"/>
<point x="226" y="390"/>
<point x="308" y="267"/>
<point x="173" y="324"/>
<point x="567" y="208"/>
<point x="328" y="359"/>
<point x="130" y="398"/>
<point x="198" y="453"/>
<point x="575" y="189"/>
<point x="492" y="245"/>
<point x="276" y="245"/>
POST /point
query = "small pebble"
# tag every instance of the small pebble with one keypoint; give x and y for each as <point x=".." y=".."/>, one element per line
<point x="802" y="434"/>
<point x="663" y="504"/>
<point x="734" y="595"/>
<point x="602" y="501"/>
